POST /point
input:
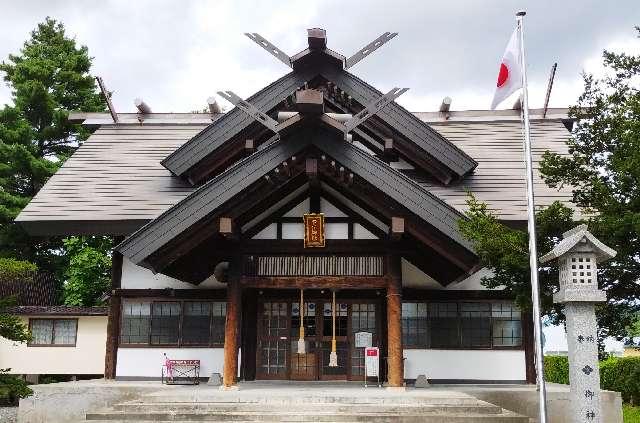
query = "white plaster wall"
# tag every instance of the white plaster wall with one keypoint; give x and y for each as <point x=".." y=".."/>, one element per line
<point x="137" y="277"/>
<point x="87" y="357"/>
<point x="465" y="364"/>
<point x="147" y="362"/>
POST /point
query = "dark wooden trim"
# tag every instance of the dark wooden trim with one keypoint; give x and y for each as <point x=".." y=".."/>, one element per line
<point x="528" y="341"/>
<point x="332" y="246"/>
<point x="113" y="323"/>
<point x="315" y="282"/>
<point x="249" y="335"/>
<point x="192" y="294"/>
<point x="413" y="294"/>
<point x="53" y="332"/>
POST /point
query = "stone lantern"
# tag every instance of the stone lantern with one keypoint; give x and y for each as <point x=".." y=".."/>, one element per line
<point x="578" y="255"/>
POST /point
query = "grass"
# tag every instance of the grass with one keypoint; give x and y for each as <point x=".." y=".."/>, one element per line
<point x="631" y="413"/>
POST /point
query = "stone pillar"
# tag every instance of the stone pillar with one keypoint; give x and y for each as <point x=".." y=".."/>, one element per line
<point x="394" y="326"/>
<point x="231" y="330"/>
<point x="578" y="254"/>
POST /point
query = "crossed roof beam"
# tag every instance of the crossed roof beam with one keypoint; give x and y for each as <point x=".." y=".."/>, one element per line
<point x="317" y="39"/>
<point x="352" y="123"/>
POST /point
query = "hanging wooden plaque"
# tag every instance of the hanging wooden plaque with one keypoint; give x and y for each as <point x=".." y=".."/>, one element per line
<point x="313" y="230"/>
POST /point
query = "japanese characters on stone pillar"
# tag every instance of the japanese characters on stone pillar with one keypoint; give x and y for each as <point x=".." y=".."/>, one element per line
<point x="578" y="254"/>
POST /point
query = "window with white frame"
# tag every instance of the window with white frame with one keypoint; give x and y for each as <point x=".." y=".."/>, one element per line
<point x="53" y="332"/>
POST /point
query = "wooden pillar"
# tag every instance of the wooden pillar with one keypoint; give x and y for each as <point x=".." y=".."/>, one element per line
<point x="113" y="322"/>
<point x="394" y="323"/>
<point x="231" y="329"/>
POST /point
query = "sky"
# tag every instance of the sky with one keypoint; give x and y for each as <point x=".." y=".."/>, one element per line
<point x="175" y="54"/>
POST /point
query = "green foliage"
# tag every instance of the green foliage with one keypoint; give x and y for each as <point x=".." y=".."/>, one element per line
<point x="12" y="269"/>
<point x="12" y="327"/>
<point x="630" y="413"/>
<point x="13" y="387"/>
<point x="88" y="273"/>
<point x="622" y="375"/>
<point x="616" y="374"/>
<point x="556" y="369"/>
<point x="505" y="250"/>
<point x="49" y="77"/>
<point x="603" y="167"/>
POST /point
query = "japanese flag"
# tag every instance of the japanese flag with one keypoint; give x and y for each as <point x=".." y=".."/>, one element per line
<point x="510" y="74"/>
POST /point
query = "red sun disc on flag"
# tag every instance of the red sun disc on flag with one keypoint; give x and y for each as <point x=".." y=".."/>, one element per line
<point x="503" y="75"/>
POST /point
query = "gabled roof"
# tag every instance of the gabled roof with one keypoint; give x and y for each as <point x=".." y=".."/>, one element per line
<point x="215" y="193"/>
<point x="575" y="236"/>
<point x="428" y="141"/>
<point x="119" y="165"/>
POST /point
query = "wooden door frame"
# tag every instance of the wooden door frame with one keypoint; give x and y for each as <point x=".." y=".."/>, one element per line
<point x="258" y="358"/>
<point x="319" y="301"/>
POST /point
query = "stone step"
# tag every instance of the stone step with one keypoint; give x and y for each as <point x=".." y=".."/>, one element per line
<point x="303" y="416"/>
<point x="478" y="407"/>
<point x="436" y="398"/>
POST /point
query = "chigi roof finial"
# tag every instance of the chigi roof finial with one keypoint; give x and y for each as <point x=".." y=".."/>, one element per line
<point x="317" y="42"/>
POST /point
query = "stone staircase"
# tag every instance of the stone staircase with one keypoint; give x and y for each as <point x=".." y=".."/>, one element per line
<point x="301" y="405"/>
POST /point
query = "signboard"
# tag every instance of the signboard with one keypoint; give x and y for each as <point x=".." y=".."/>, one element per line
<point x="371" y="361"/>
<point x="364" y="339"/>
<point x="313" y="230"/>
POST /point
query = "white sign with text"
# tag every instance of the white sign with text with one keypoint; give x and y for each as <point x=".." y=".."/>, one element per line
<point x="371" y="361"/>
<point x="364" y="339"/>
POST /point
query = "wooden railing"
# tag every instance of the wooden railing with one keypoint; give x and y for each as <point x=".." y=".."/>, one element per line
<point x="313" y="265"/>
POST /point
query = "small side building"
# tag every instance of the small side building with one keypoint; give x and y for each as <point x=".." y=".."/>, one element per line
<point x="66" y="341"/>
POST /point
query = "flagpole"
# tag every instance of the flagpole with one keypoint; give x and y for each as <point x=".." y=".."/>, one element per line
<point x="533" y="253"/>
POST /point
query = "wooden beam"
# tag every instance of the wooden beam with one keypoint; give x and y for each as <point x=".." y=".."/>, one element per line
<point x="317" y="38"/>
<point x="310" y="102"/>
<point x="528" y="342"/>
<point x="397" y="227"/>
<point x="390" y="152"/>
<point x="311" y="168"/>
<point x="225" y="226"/>
<point x="249" y="147"/>
<point x="315" y="282"/>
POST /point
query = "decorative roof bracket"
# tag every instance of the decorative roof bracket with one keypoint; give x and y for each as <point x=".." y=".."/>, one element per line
<point x="271" y="48"/>
<point x="372" y="108"/>
<point x="250" y="109"/>
<point x="369" y="48"/>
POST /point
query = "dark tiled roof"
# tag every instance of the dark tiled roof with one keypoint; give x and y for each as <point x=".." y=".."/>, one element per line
<point x="59" y="311"/>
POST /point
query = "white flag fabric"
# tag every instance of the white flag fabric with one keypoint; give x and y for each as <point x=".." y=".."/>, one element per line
<point x="510" y="74"/>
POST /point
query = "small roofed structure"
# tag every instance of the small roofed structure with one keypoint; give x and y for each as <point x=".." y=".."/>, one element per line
<point x="578" y="254"/>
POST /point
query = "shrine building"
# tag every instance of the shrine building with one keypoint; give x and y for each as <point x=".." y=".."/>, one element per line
<point x="318" y="202"/>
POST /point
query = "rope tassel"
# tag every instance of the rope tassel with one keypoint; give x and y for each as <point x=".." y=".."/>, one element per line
<point x="333" y="356"/>
<point x="301" y="343"/>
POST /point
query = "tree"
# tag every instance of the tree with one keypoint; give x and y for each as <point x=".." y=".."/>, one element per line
<point x="12" y="327"/>
<point x="88" y="273"/>
<point x="48" y="78"/>
<point x="505" y="251"/>
<point x="603" y="167"/>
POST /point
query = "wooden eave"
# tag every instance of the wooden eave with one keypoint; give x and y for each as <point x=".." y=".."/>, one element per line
<point x="168" y="239"/>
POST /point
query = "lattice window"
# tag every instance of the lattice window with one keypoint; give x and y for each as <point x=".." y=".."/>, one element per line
<point x="443" y="320"/>
<point x="506" y="325"/>
<point x="414" y="325"/>
<point x="475" y="324"/>
<point x="136" y="322"/>
<point x="59" y="332"/>
<point x="165" y="323"/>
<point x="583" y="269"/>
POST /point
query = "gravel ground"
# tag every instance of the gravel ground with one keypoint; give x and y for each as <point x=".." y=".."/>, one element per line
<point x="8" y="414"/>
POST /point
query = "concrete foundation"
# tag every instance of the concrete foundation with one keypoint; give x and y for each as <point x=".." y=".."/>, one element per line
<point x="71" y="401"/>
